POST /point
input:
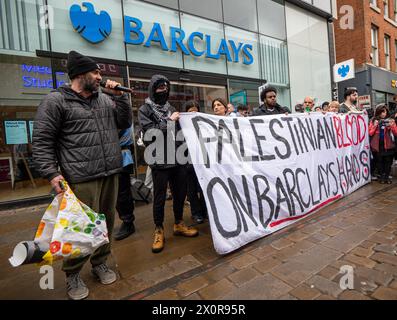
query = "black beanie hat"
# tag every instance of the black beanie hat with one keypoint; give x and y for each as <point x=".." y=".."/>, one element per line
<point x="79" y="64"/>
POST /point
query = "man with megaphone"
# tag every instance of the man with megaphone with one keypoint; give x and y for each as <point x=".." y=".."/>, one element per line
<point x="75" y="138"/>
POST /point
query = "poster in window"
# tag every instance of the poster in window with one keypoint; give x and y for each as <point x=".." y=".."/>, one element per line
<point x="31" y="130"/>
<point x="16" y="132"/>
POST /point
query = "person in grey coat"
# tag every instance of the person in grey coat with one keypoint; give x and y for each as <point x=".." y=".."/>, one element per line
<point x="75" y="139"/>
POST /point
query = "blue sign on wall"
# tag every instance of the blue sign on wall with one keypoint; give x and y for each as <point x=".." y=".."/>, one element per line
<point x="97" y="27"/>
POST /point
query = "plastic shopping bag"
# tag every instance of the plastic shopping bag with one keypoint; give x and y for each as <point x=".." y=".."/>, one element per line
<point x="68" y="229"/>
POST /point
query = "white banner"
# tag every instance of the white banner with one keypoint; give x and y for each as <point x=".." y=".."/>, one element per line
<point x="261" y="174"/>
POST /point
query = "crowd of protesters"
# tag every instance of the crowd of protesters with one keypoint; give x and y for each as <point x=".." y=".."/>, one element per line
<point x="96" y="125"/>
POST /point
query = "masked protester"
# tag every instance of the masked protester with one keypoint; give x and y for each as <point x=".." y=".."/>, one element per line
<point x="75" y="138"/>
<point x="159" y="122"/>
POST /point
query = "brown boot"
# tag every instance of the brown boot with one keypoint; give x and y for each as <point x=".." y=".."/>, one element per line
<point x="158" y="243"/>
<point x="181" y="229"/>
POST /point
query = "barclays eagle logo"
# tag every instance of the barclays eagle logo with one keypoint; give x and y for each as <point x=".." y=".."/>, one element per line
<point x="343" y="71"/>
<point x="92" y="26"/>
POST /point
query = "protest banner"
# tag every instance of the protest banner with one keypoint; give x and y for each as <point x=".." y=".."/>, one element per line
<point x="262" y="174"/>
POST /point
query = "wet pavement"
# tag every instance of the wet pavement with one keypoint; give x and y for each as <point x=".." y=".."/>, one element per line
<point x="302" y="261"/>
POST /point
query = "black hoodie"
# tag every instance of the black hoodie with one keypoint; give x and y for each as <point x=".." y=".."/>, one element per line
<point x="79" y="135"/>
<point x="149" y="122"/>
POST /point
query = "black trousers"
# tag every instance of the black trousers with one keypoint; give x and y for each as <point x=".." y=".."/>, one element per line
<point x="384" y="164"/>
<point x="125" y="203"/>
<point x="195" y="194"/>
<point x="176" y="177"/>
<point x="374" y="163"/>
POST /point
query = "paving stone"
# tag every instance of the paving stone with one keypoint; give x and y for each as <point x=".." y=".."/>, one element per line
<point x="267" y="264"/>
<point x="219" y="272"/>
<point x="379" y="277"/>
<point x="281" y="244"/>
<point x="325" y="286"/>
<point x="393" y="285"/>
<point x="329" y="272"/>
<point x="381" y="240"/>
<point x="302" y="267"/>
<point x="318" y="238"/>
<point x="362" y="252"/>
<point x="386" y="248"/>
<point x="364" y="285"/>
<point x="388" y="268"/>
<point x="184" y="264"/>
<point x="348" y="239"/>
<point x="190" y="286"/>
<point x="297" y="236"/>
<point x="366" y="262"/>
<point x="387" y="235"/>
<point x="264" y="288"/>
<point x="311" y="229"/>
<point x="352" y="295"/>
<point x="344" y="225"/>
<point x="341" y="263"/>
<point x="167" y="294"/>
<point x="244" y="261"/>
<point x="263" y="252"/>
<point x="381" y="257"/>
<point x="156" y="275"/>
<point x="243" y="276"/>
<point x="304" y="292"/>
<point x="217" y="290"/>
<point x="331" y="231"/>
<point x="383" y="293"/>
<point x="378" y="220"/>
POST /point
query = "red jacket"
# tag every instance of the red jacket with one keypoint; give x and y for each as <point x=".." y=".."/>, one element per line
<point x="374" y="132"/>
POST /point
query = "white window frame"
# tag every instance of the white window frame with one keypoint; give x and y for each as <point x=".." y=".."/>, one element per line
<point x="387" y="53"/>
<point x="375" y="45"/>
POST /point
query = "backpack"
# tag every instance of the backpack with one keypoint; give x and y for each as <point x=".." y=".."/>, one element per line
<point x="140" y="192"/>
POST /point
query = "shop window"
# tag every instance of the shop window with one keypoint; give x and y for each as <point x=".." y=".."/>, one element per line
<point x="211" y="9"/>
<point x="241" y="14"/>
<point x="21" y="32"/>
<point x="271" y="15"/>
<point x="166" y="3"/>
<point x="192" y="24"/>
<point x="248" y="65"/>
<point x="28" y="81"/>
<point x="274" y="61"/>
<point x="308" y="55"/>
<point x="153" y="52"/>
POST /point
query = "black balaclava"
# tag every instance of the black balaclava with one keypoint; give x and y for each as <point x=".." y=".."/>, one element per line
<point x="161" y="97"/>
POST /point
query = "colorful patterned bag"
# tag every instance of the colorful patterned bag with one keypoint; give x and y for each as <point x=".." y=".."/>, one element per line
<point x="70" y="229"/>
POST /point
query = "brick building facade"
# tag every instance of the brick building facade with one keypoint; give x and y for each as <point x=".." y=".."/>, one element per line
<point x="372" y="43"/>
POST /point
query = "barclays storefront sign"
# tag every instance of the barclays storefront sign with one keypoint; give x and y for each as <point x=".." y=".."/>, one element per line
<point x="96" y="27"/>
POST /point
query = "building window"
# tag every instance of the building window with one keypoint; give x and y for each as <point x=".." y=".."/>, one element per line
<point x="395" y="55"/>
<point x="241" y="14"/>
<point x="373" y="3"/>
<point x="374" y="44"/>
<point x="386" y="8"/>
<point x="387" y="52"/>
<point x="205" y="8"/>
<point x="395" y="10"/>
<point x="20" y="27"/>
<point x="271" y="15"/>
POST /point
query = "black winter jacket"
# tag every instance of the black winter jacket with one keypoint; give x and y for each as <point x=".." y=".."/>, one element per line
<point x="148" y="121"/>
<point x="263" y="111"/>
<point x="79" y="135"/>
